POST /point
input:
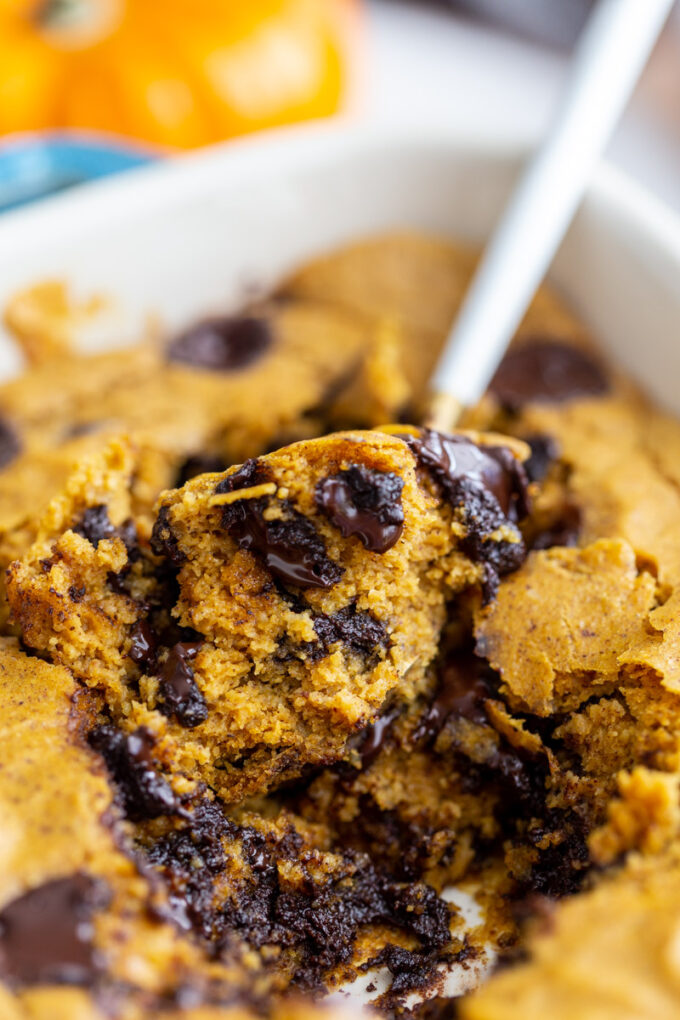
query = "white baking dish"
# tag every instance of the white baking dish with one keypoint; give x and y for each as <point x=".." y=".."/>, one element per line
<point x="185" y="237"/>
<point x="196" y="233"/>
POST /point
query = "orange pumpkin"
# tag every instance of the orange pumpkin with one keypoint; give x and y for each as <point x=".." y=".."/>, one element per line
<point x="178" y="73"/>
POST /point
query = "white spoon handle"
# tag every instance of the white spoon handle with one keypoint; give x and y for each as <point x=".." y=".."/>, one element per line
<point x="609" y="58"/>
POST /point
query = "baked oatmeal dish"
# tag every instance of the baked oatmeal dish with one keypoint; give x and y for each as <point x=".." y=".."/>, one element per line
<point x="306" y="705"/>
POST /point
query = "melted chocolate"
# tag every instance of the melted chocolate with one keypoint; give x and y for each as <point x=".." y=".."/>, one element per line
<point x="465" y="683"/>
<point x="10" y="446"/>
<point x="375" y="736"/>
<point x="144" y="792"/>
<point x="222" y="344"/>
<point x="46" y="934"/>
<point x="318" y="920"/>
<point x="181" y="694"/>
<point x="364" y="502"/>
<point x="489" y="485"/>
<point x="566" y="531"/>
<point x="546" y="370"/>
<point x="290" y="546"/>
<point x="453" y="460"/>
<point x="143" y="644"/>
<point x="544" y="451"/>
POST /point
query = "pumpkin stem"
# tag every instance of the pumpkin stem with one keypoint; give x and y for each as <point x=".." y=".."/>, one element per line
<point x="61" y="13"/>
<point x="77" y="24"/>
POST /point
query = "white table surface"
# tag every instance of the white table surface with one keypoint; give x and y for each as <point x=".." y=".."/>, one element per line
<point x="428" y="66"/>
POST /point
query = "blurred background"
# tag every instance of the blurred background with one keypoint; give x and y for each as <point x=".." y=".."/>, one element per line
<point x="90" y="87"/>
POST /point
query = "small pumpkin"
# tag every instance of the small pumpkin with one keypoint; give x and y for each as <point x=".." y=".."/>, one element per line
<point x="179" y="73"/>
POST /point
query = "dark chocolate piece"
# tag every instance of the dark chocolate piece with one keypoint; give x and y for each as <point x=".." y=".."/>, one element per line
<point x="319" y="920"/>
<point x="163" y="539"/>
<point x="252" y="472"/>
<point x="566" y="531"/>
<point x="143" y="644"/>
<point x="46" y="934"/>
<point x="181" y="694"/>
<point x="290" y="546"/>
<point x="546" y="370"/>
<point x="127" y="533"/>
<point x="144" y="791"/>
<point x="544" y="451"/>
<point x="356" y="629"/>
<point x="200" y="464"/>
<point x="10" y="445"/>
<point x="465" y="683"/>
<point x="222" y="344"/>
<point x="563" y="862"/>
<point x="95" y="525"/>
<point x="489" y="485"/>
<point x="364" y="502"/>
<point x="454" y="460"/>
<point x="375" y="735"/>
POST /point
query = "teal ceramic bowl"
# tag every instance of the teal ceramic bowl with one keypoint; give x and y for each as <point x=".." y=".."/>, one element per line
<point x="35" y="165"/>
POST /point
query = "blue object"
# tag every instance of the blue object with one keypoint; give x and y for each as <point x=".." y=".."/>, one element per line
<point x="32" y="166"/>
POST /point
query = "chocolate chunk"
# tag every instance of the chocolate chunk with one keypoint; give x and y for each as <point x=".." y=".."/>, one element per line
<point x="143" y="643"/>
<point x="465" y="683"/>
<point x="410" y="972"/>
<point x="374" y="736"/>
<point x="181" y="694"/>
<point x="252" y="472"/>
<point x="544" y="450"/>
<point x="176" y="855"/>
<point x="144" y="792"/>
<point x="95" y="524"/>
<point x="490" y="486"/>
<point x="10" y="446"/>
<point x="222" y="344"/>
<point x="563" y="862"/>
<point x="319" y="920"/>
<point x="520" y="778"/>
<point x="200" y="464"/>
<point x="499" y="557"/>
<point x="454" y="460"/>
<point x="565" y="531"/>
<point x="546" y="370"/>
<point x="358" y="630"/>
<point x="290" y="545"/>
<point x="364" y="502"/>
<point x="127" y="533"/>
<point x="163" y="539"/>
<point x="46" y="934"/>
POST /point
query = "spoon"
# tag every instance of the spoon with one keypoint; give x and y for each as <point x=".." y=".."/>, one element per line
<point x="610" y="56"/>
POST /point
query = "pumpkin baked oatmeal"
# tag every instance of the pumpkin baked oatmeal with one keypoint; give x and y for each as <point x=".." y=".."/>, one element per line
<point x="291" y="698"/>
<point x="280" y="604"/>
